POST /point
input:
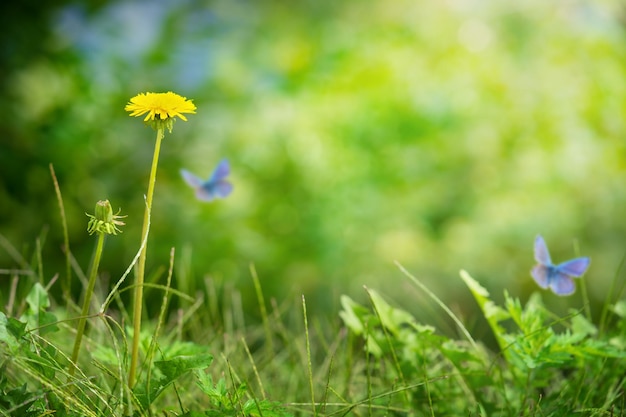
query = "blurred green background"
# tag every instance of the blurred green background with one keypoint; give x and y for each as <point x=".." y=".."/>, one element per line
<point x="443" y="135"/>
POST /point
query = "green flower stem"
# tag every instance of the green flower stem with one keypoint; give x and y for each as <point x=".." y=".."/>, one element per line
<point x="85" y="312"/>
<point x="141" y="266"/>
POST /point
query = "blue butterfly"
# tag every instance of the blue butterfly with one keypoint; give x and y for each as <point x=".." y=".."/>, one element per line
<point x="215" y="187"/>
<point x="557" y="277"/>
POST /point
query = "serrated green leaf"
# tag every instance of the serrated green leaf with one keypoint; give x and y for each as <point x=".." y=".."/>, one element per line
<point x="460" y="354"/>
<point x="493" y="314"/>
<point x="173" y="368"/>
<point x="390" y="317"/>
<point x="514" y="308"/>
<point x="264" y="408"/>
<point x="165" y="373"/>
<point x="16" y="327"/>
<point x="21" y="402"/>
<point x="479" y="292"/>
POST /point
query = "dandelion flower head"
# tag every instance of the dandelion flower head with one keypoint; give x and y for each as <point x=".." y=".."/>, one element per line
<point x="160" y="106"/>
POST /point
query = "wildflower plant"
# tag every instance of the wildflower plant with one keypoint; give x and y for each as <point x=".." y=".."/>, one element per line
<point x="161" y="110"/>
<point x="544" y="365"/>
<point x="103" y="222"/>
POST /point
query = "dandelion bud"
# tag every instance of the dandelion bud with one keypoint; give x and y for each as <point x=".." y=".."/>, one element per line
<point x="104" y="220"/>
<point x="104" y="211"/>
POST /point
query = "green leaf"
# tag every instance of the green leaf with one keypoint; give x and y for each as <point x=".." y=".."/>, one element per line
<point x="514" y="309"/>
<point x="352" y="314"/>
<point x="11" y="331"/>
<point x="165" y="372"/>
<point x="218" y="393"/>
<point x="21" y="402"/>
<point x="492" y="312"/>
<point x="392" y="318"/>
<point x="264" y="408"/>
<point x="15" y="327"/>
<point x="36" y="315"/>
<point x="582" y="326"/>
<point x="47" y="323"/>
<point x="205" y="382"/>
<point x="174" y="368"/>
<point x="44" y="361"/>
<point x="361" y="322"/>
<point x="37" y="299"/>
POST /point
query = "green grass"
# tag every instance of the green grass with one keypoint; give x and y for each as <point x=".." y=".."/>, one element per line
<point x="377" y="360"/>
<point x="199" y="354"/>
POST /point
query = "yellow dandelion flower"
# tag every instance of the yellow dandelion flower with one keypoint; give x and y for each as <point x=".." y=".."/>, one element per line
<point x="160" y="106"/>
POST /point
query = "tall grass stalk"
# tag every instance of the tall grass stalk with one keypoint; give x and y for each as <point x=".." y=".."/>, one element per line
<point x="264" y="316"/>
<point x="254" y="367"/>
<point x="308" y="356"/>
<point x="610" y="296"/>
<point x="445" y="308"/>
<point x="153" y="343"/>
<point x="66" y="283"/>
<point x="389" y="340"/>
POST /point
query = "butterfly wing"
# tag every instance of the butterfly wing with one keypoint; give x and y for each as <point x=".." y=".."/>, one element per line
<point x="221" y="171"/>
<point x="562" y="284"/>
<point x="575" y="267"/>
<point x="559" y="277"/>
<point x="212" y="190"/>
<point x="540" y="274"/>
<point x="215" y="187"/>
<point x="191" y="179"/>
<point x="541" y="251"/>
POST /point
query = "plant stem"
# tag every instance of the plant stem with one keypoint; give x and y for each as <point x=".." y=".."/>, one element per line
<point x="138" y="295"/>
<point x="85" y="312"/>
